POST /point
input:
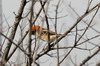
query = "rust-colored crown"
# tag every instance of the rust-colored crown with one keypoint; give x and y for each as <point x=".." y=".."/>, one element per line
<point x="35" y="28"/>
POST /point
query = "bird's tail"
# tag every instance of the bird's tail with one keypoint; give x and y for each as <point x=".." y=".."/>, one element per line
<point x="63" y="35"/>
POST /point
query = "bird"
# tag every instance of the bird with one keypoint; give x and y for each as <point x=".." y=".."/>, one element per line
<point x="42" y="33"/>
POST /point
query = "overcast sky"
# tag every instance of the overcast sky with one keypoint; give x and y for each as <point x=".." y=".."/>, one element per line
<point x="10" y="6"/>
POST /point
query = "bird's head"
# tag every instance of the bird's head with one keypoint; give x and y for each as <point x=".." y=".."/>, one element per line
<point x="35" y="29"/>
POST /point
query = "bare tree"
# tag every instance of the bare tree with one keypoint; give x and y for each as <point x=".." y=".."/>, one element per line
<point x="33" y="50"/>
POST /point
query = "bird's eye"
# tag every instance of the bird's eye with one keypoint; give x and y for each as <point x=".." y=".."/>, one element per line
<point x="33" y="32"/>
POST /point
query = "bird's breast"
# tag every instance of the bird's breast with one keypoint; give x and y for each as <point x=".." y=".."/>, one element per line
<point x="45" y="38"/>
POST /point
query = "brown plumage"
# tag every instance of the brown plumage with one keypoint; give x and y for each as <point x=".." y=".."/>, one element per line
<point x="42" y="33"/>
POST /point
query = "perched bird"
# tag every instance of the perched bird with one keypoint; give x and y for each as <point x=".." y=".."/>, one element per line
<point x="42" y="33"/>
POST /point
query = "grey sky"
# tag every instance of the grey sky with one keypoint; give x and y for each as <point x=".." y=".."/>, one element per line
<point x="10" y="6"/>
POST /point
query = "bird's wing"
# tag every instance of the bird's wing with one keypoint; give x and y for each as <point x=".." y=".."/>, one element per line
<point x="45" y="31"/>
